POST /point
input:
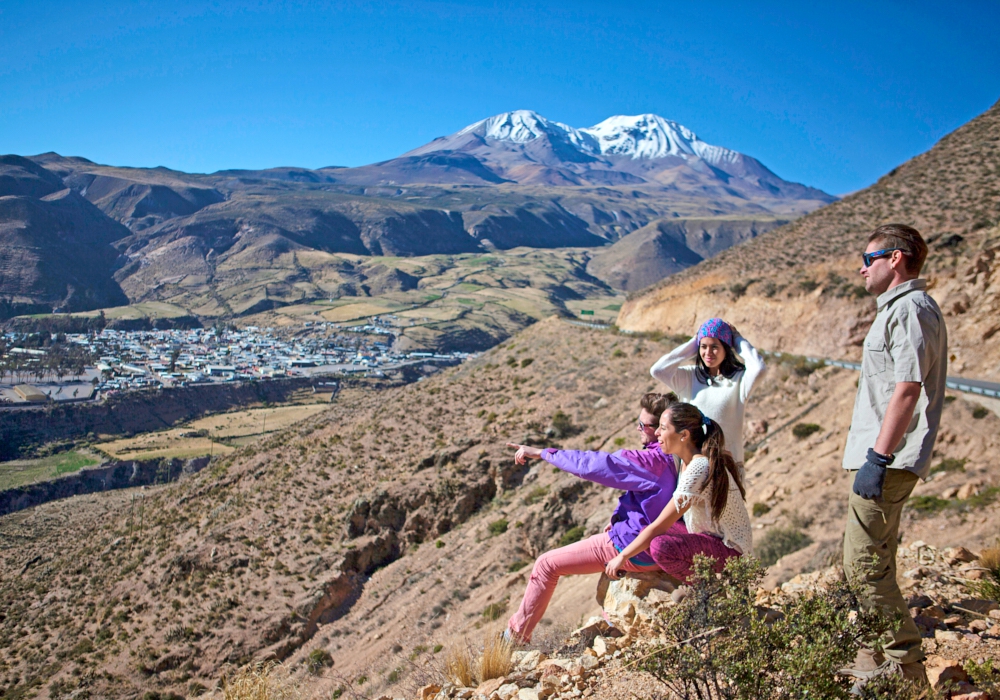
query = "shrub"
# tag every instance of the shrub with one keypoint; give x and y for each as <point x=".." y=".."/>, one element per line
<point x="527" y="361"/>
<point x="949" y="465"/>
<point x="980" y="412"/>
<point x="466" y="667"/>
<point x="498" y="527"/>
<point x="574" y="534"/>
<point x="779" y="541"/>
<point x="718" y="644"/>
<point x="494" y="611"/>
<point x="927" y="505"/>
<point x="618" y="353"/>
<point x="760" y="509"/>
<point x="317" y="660"/>
<point x="989" y="586"/>
<point x="439" y="544"/>
<point x="562" y="425"/>
<point x="517" y="565"/>
<point x="535" y="495"/>
<point x="804" y="430"/>
<point x="619" y="441"/>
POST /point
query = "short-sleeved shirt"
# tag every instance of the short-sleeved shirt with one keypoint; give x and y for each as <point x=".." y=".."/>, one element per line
<point x="694" y="490"/>
<point x="908" y="342"/>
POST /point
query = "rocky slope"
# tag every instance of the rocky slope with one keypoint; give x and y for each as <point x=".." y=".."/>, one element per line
<point x="797" y="288"/>
<point x="396" y="522"/>
<point x="55" y="247"/>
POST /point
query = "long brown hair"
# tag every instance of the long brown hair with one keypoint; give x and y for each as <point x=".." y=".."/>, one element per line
<point x="708" y="438"/>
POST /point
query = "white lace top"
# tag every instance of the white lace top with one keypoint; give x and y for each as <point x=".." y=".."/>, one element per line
<point x="734" y="523"/>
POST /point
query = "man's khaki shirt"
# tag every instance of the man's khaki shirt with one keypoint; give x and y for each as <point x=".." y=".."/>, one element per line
<point x="908" y="342"/>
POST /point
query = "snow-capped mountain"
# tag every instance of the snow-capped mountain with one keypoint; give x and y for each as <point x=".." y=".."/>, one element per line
<point x="645" y="150"/>
<point x="642" y="136"/>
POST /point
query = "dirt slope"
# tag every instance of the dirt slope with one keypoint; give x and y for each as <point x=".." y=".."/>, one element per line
<point x="326" y="536"/>
<point x="796" y="288"/>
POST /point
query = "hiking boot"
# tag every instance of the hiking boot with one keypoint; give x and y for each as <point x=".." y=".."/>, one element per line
<point x="864" y="663"/>
<point x="913" y="672"/>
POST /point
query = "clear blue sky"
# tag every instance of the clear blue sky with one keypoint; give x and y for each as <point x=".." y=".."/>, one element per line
<point x="832" y="96"/>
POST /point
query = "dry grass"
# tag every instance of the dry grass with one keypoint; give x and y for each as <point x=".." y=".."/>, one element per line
<point x="460" y="666"/>
<point x="463" y="668"/>
<point x="496" y="659"/>
<point x="257" y="682"/>
<point x="990" y="559"/>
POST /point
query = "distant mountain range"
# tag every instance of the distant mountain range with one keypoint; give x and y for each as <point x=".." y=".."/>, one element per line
<point x="223" y="243"/>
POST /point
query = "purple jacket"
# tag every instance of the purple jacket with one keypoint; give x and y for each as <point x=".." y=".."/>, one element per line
<point x="647" y="476"/>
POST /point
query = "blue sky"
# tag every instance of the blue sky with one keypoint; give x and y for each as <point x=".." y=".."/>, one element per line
<point x="830" y="95"/>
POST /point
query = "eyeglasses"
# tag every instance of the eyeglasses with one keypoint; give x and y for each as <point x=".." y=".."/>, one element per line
<point x="869" y="258"/>
<point x="643" y="426"/>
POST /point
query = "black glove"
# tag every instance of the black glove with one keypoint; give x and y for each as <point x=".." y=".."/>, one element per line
<point x="870" y="478"/>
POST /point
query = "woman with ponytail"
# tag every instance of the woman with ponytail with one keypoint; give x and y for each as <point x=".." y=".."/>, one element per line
<point x="718" y="382"/>
<point x="710" y="497"/>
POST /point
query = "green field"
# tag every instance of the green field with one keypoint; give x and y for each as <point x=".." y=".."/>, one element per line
<point x="27" y="471"/>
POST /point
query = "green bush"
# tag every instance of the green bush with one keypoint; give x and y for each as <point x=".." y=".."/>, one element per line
<point x="497" y="527"/>
<point x="619" y="441"/>
<point x="317" y="660"/>
<point x="494" y="611"/>
<point x="927" y="505"/>
<point x="779" y="541"/>
<point x="760" y="509"/>
<point x="980" y="412"/>
<point x="574" y="534"/>
<point x="439" y="544"/>
<point x="718" y="644"/>
<point x="949" y="465"/>
<point x="517" y="565"/>
<point x="527" y="361"/>
<point x="804" y="430"/>
<point x="562" y="425"/>
<point x="535" y="495"/>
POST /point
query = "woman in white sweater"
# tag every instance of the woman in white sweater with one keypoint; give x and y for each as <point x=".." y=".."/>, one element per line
<point x="718" y="383"/>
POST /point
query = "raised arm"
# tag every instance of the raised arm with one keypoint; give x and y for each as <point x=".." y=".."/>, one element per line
<point x="669" y="371"/>
<point x="664" y="521"/>
<point x="754" y="364"/>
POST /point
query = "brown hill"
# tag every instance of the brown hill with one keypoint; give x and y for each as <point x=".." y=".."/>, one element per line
<point x="396" y="521"/>
<point x="796" y="288"/>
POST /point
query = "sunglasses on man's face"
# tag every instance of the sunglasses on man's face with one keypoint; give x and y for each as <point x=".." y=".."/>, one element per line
<point x="644" y="427"/>
<point x="869" y="258"/>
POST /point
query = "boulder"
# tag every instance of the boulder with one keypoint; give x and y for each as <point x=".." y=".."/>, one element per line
<point x="941" y="671"/>
<point x="429" y="691"/>
<point x="526" y="661"/>
<point x="489" y="687"/>
<point x="958" y="555"/>
<point x="508" y="690"/>
<point x="633" y="599"/>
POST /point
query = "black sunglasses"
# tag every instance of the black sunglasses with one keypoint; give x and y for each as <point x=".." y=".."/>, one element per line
<point x="869" y="258"/>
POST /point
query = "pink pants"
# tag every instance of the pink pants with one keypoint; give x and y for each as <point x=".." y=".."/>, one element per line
<point x="587" y="556"/>
<point x="674" y="550"/>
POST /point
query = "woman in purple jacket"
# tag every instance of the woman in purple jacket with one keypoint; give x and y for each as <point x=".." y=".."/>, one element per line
<point x="648" y="476"/>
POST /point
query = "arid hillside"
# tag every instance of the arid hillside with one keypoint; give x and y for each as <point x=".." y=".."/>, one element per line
<point x="796" y="288"/>
<point x="386" y="529"/>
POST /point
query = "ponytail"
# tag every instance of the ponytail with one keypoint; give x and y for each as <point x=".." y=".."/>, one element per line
<point x="721" y="466"/>
<point x="708" y="438"/>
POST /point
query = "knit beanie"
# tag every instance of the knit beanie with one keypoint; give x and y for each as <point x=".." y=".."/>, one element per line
<point x="718" y="329"/>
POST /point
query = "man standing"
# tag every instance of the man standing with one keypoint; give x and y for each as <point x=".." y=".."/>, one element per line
<point x="896" y="416"/>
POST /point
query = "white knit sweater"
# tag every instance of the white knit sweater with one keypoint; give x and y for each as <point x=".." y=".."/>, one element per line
<point x="724" y="400"/>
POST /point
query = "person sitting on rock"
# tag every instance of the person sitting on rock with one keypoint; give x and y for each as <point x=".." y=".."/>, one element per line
<point x="648" y="477"/>
<point x="718" y="383"/>
<point x="710" y="497"/>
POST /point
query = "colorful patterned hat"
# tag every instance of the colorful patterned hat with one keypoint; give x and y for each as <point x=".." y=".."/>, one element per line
<point x="716" y="328"/>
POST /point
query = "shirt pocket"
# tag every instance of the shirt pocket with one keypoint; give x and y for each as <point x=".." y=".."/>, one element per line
<point x="876" y="357"/>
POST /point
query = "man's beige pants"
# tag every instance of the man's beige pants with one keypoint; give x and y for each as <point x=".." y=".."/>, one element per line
<point x="872" y="533"/>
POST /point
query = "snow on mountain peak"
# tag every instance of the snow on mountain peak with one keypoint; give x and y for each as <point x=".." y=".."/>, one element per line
<point x="645" y="136"/>
<point x="523" y="125"/>
<point x="652" y="136"/>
